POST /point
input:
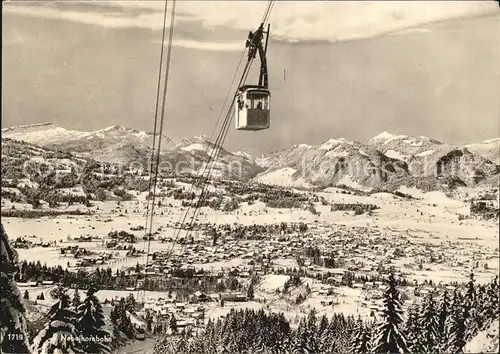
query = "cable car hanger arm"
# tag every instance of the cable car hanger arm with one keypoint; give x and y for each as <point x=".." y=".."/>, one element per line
<point x="255" y="44"/>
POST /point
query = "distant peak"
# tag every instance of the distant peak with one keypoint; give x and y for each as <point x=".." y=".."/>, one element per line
<point x="242" y="154"/>
<point x="118" y="127"/>
<point x="490" y="141"/>
<point x="111" y="128"/>
<point x="385" y="135"/>
<point x="36" y="125"/>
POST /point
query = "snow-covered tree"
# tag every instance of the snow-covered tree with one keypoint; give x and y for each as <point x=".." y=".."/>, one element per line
<point x="470" y="294"/>
<point x="250" y="291"/>
<point x="412" y="329"/>
<point x="76" y="301"/>
<point x="429" y="325"/>
<point x="443" y="312"/>
<point x="361" y="340"/>
<point x="90" y="322"/>
<point x="165" y="345"/>
<point x="300" y="340"/>
<point x="389" y="337"/>
<point x="173" y="324"/>
<point x="490" y="310"/>
<point x="323" y="325"/>
<point x="472" y="316"/>
<point x="116" y="338"/>
<point x="121" y="320"/>
<point x="59" y="334"/>
<point x="13" y="330"/>
<point x="456" y="325"/>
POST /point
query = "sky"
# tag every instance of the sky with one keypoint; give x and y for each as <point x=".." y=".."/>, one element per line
<point x="336" y="69"/>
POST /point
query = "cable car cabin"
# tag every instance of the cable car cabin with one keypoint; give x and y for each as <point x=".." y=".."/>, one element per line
<point x="253" y="108"/>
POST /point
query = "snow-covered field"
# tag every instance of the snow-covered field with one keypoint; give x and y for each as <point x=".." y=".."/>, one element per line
<point x="282" y="177"/>
<point x="431" y="219"/>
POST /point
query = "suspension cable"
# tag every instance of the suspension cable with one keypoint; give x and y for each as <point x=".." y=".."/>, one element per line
<point x="154" y="179"/>
<point x="155" y="129"/>
<point x="214" y="154"/>
<point x="218" y="144"/>
<point x="157" y="103"/>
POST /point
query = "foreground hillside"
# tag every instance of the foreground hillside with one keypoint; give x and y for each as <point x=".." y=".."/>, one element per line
<point x="487" y="341"/>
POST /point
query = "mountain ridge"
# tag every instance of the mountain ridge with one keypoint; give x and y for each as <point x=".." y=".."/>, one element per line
<point x="385" y="159"/>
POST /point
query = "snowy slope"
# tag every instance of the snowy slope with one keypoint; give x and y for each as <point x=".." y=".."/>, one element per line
<point x="489" y="149"/>
<point x="386" y="161"/>
<point x="285" y="177"/>
<point x="486" y="341"/>
<point x="332" y="162"/>
<point x="402" y="144"/>
<point x="122" y="145"/>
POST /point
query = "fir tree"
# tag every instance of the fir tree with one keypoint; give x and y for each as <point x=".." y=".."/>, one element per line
<point x="59" y="333"/>
<point x="116" y="338"/>
<point x="429" y="325"/>
<point x="456" y="325"/>
<point x="130" y="303"/>
<point x="412" y="329"/>
<point x="76" y="301"/>
<point x="490" y="310"/>
<point x="312" y="332"/>
<point x="90" y="322"/>
<point x="443" y="312"/>
<point x="173" y="324"/>
<point x="12" y="311"/>
<point x="183" y="343"/>
<point x="323" y="325"/>
<point x="165" y="345"/>
<point x="471" y="316"/>
<point x="470" y="294"/>
<point x="390" y="338"/>
<point x="149" y="320"/>
<point x="300" y="340"/>
<point x="250" y="291"/>
<point x="361" y="338"/>
<point x="328" y="344"/>
<point x="120" y="318"/>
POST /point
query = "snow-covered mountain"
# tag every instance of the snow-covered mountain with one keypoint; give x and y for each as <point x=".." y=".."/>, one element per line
<point x="385" y="161"/>
<point x="489" y="149"/>
<point x="50" y="135"/>
<point x="244" y="155"/>
<point x="335" y="161"/>
<point x="402" y="147"/>
<point x="429" y="157"/>
<point x="117" y="144"/>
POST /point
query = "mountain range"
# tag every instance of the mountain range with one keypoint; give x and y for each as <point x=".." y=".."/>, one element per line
<point x="385" y="161"/>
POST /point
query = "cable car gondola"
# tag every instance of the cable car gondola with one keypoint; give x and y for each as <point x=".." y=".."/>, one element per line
<point x="253" y="102"/>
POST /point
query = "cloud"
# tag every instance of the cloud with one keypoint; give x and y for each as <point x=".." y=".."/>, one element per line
<point x="112" y="19"/>
<point x="290" y="21"/>
<point x="220" y="46"/>
<point x="327" y="20"/>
